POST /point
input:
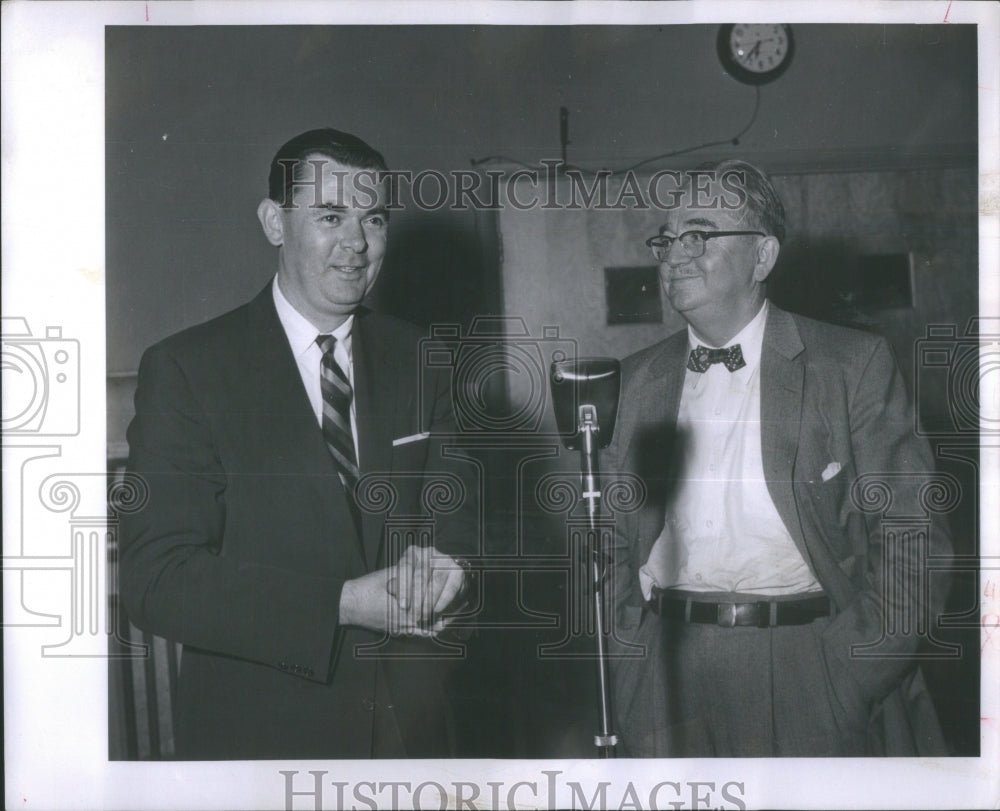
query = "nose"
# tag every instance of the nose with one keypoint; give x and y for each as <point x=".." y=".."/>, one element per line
<point x="676" y="256"/>
<point x="353" y="236"/>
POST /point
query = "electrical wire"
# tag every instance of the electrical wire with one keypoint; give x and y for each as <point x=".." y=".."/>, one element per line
<point x="612" y="172"/>
<point x="504" y="159"/>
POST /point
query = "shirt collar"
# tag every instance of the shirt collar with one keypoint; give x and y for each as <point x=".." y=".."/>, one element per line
<point x="750" y="338"/>
<point x="300" y="331"/>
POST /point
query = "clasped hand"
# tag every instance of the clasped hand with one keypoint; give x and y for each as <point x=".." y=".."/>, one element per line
<point x="426" y="583"/>
<point x="409" y="597"/>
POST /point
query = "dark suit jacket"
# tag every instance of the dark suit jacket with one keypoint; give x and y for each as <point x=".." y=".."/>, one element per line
<point x="828" y="395"/>
<point x="247" y="539"/>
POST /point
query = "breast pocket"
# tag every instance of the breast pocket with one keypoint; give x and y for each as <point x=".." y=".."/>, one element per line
<point x="828" y="505"/>
<point x="831" y="495"/>
<point x="409" y="453"/>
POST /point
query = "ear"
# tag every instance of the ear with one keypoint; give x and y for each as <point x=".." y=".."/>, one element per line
<point x="767" y="255"/>
<point x="272" y="221"/>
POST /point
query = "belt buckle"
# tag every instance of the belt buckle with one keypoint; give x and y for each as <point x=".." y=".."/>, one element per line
<point x="726" y="617"/>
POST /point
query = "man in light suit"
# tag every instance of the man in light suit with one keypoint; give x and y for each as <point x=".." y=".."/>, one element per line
<point x="750" y="582"/>
<point x="305" y="634"/>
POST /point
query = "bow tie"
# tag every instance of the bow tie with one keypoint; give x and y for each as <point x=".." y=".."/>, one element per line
<point x="702" y="357"/>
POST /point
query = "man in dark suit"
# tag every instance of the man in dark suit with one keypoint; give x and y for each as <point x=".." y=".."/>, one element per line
<point x="274" y="441"/>
<point x="759" y="609"/>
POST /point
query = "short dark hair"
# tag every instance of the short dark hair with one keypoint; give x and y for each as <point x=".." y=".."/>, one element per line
<point x="763" y="206"/>
<point x="342" y="147"/>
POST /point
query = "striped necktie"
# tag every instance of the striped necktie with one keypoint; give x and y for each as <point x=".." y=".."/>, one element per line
<point x="337" y="393"/>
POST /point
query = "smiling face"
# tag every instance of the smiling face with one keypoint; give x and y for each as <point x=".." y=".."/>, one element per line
<point x="331" y="240"/>
<point x="719" y="292"/>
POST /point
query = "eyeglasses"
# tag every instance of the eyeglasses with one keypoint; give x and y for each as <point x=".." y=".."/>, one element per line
<point x="693" y="242"/>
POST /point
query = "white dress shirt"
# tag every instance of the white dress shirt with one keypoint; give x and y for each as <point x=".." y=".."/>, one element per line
<point x="308" y="356"/>
<point x="723" y="532"/>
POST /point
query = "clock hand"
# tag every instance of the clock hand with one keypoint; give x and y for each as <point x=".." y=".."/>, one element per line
<point x="753" y="51"/>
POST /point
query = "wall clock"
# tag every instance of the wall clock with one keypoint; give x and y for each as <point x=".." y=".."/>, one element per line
<point x="754" y="53"/>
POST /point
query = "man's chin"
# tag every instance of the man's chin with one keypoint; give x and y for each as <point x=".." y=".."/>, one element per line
<point x="346" y="295"/>
<point x="344" y="306"/>
<point x="682" y="302"/>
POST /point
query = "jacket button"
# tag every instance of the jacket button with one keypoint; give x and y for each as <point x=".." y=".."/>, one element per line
<point x="282" y="666"/>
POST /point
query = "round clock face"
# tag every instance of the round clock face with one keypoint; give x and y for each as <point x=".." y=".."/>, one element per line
<point x="755" y="53"/>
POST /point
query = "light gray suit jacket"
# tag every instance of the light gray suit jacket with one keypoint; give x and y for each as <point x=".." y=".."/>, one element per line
<point x="828" y="395"/>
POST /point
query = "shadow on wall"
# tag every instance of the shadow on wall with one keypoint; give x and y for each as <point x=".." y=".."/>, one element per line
<point x="435" y="271"/>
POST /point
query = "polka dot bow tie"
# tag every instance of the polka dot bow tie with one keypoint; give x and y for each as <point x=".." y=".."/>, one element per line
<point x="702" y="357"/>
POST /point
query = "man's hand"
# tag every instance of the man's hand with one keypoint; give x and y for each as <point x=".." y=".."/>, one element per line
<point x="427" y="582"/>
<point x="407" y="598"/>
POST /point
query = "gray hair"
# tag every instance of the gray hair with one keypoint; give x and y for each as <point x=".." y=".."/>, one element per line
<point x="761" y="202"/>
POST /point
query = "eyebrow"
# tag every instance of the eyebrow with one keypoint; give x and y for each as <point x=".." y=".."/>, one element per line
<point x="702" y="221"/>
<point x="380" y="210"/>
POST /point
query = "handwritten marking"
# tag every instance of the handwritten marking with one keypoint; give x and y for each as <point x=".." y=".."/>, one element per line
<point x="988" y="628"/>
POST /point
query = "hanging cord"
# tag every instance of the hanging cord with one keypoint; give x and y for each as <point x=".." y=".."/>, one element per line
<point x="564" y="166"/>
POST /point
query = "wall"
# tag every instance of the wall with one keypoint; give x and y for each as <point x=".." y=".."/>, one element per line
<point x="194" y="115"/>
<point x="554" y="260"/>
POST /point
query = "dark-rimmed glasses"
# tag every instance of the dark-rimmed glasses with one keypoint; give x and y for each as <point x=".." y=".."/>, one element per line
<point x="693" y="242"/>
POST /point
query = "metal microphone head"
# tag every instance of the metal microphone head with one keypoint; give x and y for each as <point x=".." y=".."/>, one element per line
<point x="593" y="382"/>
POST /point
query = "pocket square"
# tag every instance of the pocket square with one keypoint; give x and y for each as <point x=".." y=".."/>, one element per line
<point x="405" y="440"/>
<point x="831" y="470"/>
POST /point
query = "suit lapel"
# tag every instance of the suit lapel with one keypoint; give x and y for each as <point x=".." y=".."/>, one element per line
<point x="781" y="384"/>
<point x="375" y="410"/>
<point x="649" y="429"/>
<point x="657" y="390"/>
<point x="292" y="432"/>
<point x="278" y="390"/>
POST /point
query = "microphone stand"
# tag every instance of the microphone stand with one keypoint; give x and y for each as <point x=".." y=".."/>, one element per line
<point x="606" y="739"/>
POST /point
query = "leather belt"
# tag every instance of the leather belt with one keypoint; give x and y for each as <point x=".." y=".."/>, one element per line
<point x="760" y="614"/>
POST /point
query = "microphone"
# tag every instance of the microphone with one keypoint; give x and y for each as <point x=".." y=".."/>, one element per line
<point x="585" y="400"/>
<point x="585" y="393"/>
